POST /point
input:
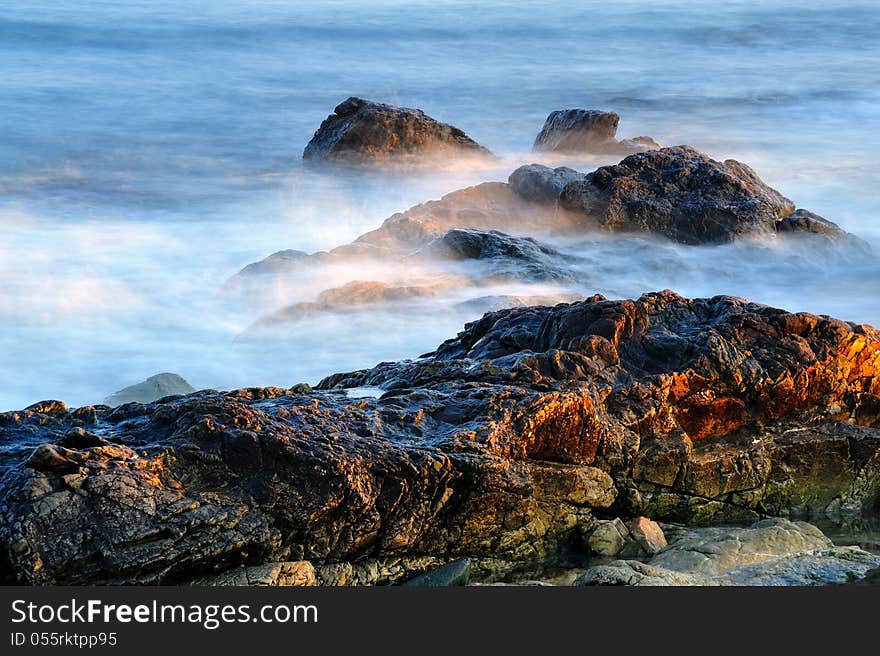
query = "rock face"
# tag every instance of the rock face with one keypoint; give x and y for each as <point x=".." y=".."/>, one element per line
<point x="587" y="131"/>
<point x="770" y="552"/>
<point x="152" y="389"/>
<point x="498" y="445"/>
<point x="364" y="131"/>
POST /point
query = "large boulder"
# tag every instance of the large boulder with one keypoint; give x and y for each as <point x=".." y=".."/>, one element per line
<point x="152" y="389"/>
<point x="686" y="196"/>
<point x="499" y="445"/>
<point x="587" y="131"/>
<point x="360" y="130"/>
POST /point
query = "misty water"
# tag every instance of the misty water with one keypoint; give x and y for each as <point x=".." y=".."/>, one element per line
<point x="150" y="150"/>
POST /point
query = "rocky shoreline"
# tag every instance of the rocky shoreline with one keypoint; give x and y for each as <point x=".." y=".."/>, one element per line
<point x="515" y="451"/>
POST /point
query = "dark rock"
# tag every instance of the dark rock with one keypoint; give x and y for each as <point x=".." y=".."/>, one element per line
<point x="499" y="445"/>
<point x="577" y="130"/>
<point x="456" y="573"/>
<point x="587" y="131"/>
<point x="541" y="184"/>
<point x="365" y="131"/>
<point x="681" y="194"/>
<point x="506" y="255"/>
<point x="152" y="389"/>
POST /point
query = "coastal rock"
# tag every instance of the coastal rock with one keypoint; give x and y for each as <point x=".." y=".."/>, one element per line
<point x="770" y="552"/>
<point x="681" y="194"/>
<point x="688" y="197"/>
<point x="152" y="389"/>
<point x="499" y="445"/>
<point x="608" y="538"/>
<point x="456" y="573"/>
<point x="647" y="534"/>
<point x="507" y="256"/>
<point x="587" y="131"/>
<point x="537" y="183"/>
<point x="360" y="130"/>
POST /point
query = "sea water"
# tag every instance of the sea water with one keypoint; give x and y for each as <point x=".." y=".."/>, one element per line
<point x="152" y="149"/>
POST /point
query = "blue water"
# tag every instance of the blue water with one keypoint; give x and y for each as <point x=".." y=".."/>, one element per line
<point x="151" y="149"/>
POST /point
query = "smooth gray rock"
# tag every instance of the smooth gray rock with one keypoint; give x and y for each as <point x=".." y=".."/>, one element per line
<point x="537" y="183"/>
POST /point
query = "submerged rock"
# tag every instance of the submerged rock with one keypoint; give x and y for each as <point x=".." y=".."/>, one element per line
<point x="587" y="131"/>
<point x="152" y="389"/>
<point x="770" y="552"/>
<point x="500" y="444"/>
<point x="364" y="131"/>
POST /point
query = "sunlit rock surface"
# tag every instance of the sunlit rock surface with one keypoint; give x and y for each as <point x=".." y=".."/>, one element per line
<point x="502" y="444"/>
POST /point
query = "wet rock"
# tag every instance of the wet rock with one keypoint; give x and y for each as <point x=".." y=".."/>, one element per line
<point x="507" y="256"/>
<point x="297" y="573"/>
<point x="499" y="445"/>
<point x="541" y="184"/>
<point x="587" y="131"/>
<point x="364" y="131"/>
<point x="608" y="538"/>
<point x="455" y="573"/>
<point x="647" y="534"/>
<point x="770" y="552"/>
<point x="681" y="194"/>
<point x="152" y="389"/>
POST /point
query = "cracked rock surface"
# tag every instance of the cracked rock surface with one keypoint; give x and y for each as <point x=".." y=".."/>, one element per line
<point x="504" y="443"/>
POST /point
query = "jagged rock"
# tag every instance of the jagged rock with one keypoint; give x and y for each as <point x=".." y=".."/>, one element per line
<point x="152" y="389"/>
<point x="608" y="538"/>
<point x="498" y="445"/>
<point x="537" y="183"/>
<point x="455" y="573"/>
<point x="364" y="131"/>
<point x="686" y="196"/>
<point x="647" y="534"/>
<point x="770" y="552"/>
<point x="587" y="131"/>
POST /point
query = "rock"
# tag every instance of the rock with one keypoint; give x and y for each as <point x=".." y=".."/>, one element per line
<point x="681" y="194"/>
<point x="770" y="552"/>
<point x="541" y="184"/>
<point x="647" y="534"/>
<point x="456" y="573"/>
<point x="497" y="446"/>
<point x="805" y="222"/>
<point x="364" y="131"/>
<point x="152" y="389"/>
<point x="520" y="258"/>
<point x="577" y="130"/>
<point x="587" y="131"/>
<point x="298" y="573"/>
<point x="608" y="538"/>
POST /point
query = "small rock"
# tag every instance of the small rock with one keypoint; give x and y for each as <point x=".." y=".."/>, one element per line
<point x="648" y="534"/>
<point x="577" y="130"/>
<point x="608" y="538"/>
<point x="455" y="573"/>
